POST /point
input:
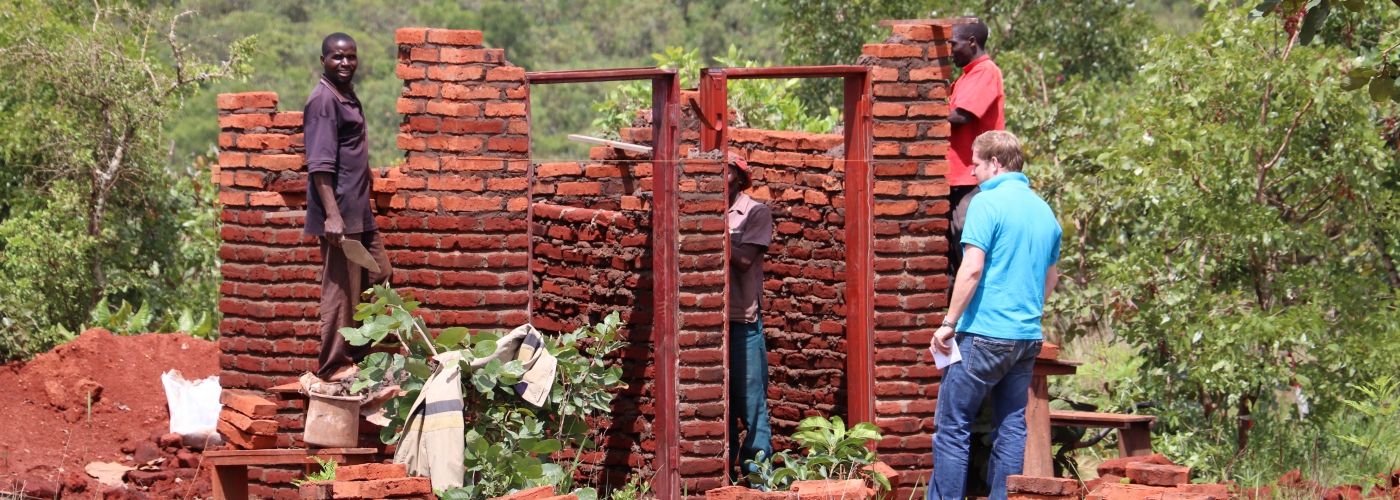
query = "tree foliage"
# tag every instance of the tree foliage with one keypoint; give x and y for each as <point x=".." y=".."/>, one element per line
<point x="91" y="208"/>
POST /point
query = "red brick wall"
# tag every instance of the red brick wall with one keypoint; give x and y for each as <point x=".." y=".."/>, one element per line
<point x="456" y="216"/>
<point x="911" y="72"/>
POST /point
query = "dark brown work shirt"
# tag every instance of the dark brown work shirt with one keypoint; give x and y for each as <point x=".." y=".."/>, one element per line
<point x="336" y="144"/>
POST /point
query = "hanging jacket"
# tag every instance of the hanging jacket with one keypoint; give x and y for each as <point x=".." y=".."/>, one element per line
<point x="432" y="442"/>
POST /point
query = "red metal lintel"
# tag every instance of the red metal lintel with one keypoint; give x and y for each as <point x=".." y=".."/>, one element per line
<point x="793" y="72"/>
<point x="597" y="75"/>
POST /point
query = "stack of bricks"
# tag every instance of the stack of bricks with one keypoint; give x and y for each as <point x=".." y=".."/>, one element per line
<point x="702" y="276"/>
<point x="911" y="72"/>
<point x="369" y="481"/>
<point x="457" y="229"/>
<point x="1150" y="476"/>
<point x="246" y="421"/>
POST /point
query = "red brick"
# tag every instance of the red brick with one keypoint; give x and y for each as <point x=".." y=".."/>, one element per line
<point x="455" y="37"/>
<point x="247" y="100"/>
<point x="1119" y="466"/>
<point x="902" y="130"/>
<point x="232" y="160"/>
<point x="473" y="126"/>
<point x="244" y="423"/>
<point x="891" y="50"/>
<point x="408" y="142"/>
<point x="408" y="36"/>
<point x="926" y="189"/>
<point x="455" y="143"/>
<point x="423" y="203"/>
<point x="915" y="32"/>
<point x="422" y="54"/>
<point x="287" y="119"/>
<point x="557" y="169"/>
<point x="383" y="488"/>
<point x="936" y="72"/>
<point x="407" y="106"/>
<point x="446" y="108"/>
<point x="264" y="141"/>
<point x="934" y="110"/>
<point x="883" y="74"/>
<point x="248" y="404"/>
<point x="927" y="148"/>
<point x="505" y="109"/>
<point x="465" y="56"/>
<point x="473" y="164"/>
<point x="276" y="162"/>
<point x="506" y="74"/>
<point x="406" y="72"/>
<point x="470" y="204"/>
<point x="1117" y="491"/>
<point x="370" y="472"/>
<point x="318" y="490"/>
<point x="244" y="440"/>
<point x="465" y="92"/>
<point x="1158" y="474"/>
<point x="245" y="121"/>
<point x="1042" y="485"/>
<point x="509" y="144"/>
<point x="888" y="110"/>
<point x="455" y="183"/>
<point x="850" y="489"/>
<point x="903" y="90"/>
<point x="456" y="73"/>
<point x="422" y="89"/>
<point x="905" y="207"/>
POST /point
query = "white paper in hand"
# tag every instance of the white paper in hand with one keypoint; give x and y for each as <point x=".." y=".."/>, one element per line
<point x="940" y="361"/>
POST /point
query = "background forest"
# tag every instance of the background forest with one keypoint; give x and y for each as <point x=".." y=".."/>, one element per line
<point x="1226" y="175"/>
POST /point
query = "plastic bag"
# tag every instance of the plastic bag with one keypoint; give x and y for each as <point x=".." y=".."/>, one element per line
<point x="194" y="405"/>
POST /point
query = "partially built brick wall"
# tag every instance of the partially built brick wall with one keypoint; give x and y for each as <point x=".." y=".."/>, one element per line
<point x="455" y="213"/>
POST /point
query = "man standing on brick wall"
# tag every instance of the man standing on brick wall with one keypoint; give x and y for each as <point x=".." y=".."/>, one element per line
<point x="977" y="106"/>
<point x="750" y="233"/>
<point x="337" y="159"/>
<point x="1010" y="248"/>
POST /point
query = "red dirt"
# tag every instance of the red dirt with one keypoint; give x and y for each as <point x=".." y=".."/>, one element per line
<point x="48" y="434"/>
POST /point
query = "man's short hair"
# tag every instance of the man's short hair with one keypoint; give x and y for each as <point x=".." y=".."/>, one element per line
<point x="333" y="39"/>
<point x="1001" y="145"/>
<point x="975" y="29"/>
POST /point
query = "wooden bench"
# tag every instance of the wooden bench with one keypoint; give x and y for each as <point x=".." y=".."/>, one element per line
<point x="1134" y="431"/>
<point x="230" y="467"/>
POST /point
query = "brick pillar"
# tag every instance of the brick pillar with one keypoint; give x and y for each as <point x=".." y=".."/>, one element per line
<point x="271" y="286"/>
<point x="911" y="72"/>
<point x="702" y="325"/>
<point x="457" y="230"/>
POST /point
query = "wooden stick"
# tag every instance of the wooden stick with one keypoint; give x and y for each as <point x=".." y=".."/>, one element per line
<point x="625" y="146"/>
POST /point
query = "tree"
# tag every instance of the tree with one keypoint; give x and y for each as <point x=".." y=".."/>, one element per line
<point x="87" y="93"/>
<point x="1227" y="229"/>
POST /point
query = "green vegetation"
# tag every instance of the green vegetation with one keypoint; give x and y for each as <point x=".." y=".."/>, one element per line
<point x="327" y="472"/>
<point x="510" y="444"/>
<point x="832" y="452"/>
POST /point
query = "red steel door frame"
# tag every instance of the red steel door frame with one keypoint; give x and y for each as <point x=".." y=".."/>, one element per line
<point x="860" y="202"/>
<point x="665" y="268"/>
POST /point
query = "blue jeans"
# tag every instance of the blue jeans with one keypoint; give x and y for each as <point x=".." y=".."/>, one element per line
<point x="989" y="367"/>
<point x="748" y="394"/>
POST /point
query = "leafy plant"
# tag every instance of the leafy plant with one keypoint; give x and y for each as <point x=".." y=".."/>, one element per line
<point x="1380" y="446"/>
<point x="509" y="443"/>
<point x="832" y="452"/>
<point x="638" y="487"/>
<point x="327" y="472"/>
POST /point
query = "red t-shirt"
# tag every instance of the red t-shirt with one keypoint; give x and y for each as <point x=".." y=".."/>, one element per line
<point x="979" y="93"/>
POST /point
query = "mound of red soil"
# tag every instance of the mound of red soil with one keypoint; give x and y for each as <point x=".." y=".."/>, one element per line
<point x="98" y="398"/>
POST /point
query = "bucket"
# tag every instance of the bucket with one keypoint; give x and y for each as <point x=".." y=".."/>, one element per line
<point x="332" y="421"/>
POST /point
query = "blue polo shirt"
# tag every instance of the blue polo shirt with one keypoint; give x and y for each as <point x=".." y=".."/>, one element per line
<point x="1021" y="238"/>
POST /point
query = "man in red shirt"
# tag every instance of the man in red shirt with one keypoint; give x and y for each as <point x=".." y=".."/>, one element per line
<point x="977" y="106"/>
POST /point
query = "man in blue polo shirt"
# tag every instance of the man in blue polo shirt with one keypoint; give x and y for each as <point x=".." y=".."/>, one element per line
<point x="1010" y="244"/>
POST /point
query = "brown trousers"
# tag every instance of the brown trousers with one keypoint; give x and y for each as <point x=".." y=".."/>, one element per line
<point x="961" y="198"/>
<point x="342" y="284"/>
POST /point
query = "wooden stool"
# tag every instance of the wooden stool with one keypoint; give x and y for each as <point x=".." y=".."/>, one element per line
<point x="230" y="467"/>
<point x="1134" y="431"/>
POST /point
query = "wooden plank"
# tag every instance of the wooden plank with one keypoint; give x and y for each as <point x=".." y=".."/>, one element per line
<point x="1071" y="418"/>
<point x="283" y="456"/>
<point x="597" y="75"/>
<point x="625" y="146"/>
<point x="835" y="71"/>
